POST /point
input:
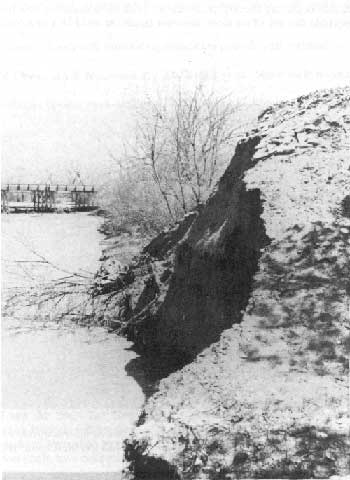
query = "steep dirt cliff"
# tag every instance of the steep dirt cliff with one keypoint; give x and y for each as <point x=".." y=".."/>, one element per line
<point x="252" y="292"/>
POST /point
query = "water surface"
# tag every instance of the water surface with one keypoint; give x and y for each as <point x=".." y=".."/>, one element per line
<point x="67" y="400"/>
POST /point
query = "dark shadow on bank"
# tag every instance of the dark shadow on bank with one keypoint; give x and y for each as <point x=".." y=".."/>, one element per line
<point x="211" y="284"/>
<point x="149" y="368"/>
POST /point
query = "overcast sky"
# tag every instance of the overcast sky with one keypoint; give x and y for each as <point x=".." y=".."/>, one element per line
<point x="75" y="69"/>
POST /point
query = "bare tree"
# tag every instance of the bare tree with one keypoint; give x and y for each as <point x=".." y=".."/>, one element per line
<point x="183" y="145"/>
<point x="151" y="145"/>
<point x="201" y="132"/>
<point x="170" y="165"/>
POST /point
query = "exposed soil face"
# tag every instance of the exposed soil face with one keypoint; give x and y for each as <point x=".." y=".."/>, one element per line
<point x="194" y="281"/>
<point x="215" y="264"/>
<point x="250" y="297"/>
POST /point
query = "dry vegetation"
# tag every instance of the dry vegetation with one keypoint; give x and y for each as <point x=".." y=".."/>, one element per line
<point x="179" y="150"/>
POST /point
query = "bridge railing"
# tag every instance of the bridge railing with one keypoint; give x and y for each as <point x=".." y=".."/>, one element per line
<point x="21" y="187"/>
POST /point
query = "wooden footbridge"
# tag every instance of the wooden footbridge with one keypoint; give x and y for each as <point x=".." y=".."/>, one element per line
<point x="47" y="198"/>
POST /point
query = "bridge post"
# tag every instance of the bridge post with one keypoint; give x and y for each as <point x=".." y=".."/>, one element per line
<point x="4" y="201"/>
<point x="52" y="200"/>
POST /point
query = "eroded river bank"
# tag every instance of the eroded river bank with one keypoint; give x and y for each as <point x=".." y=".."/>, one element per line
<point x="68" y="401"/>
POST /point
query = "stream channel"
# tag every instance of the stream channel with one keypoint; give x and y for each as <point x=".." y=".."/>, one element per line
<point x="67" y="400"/>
